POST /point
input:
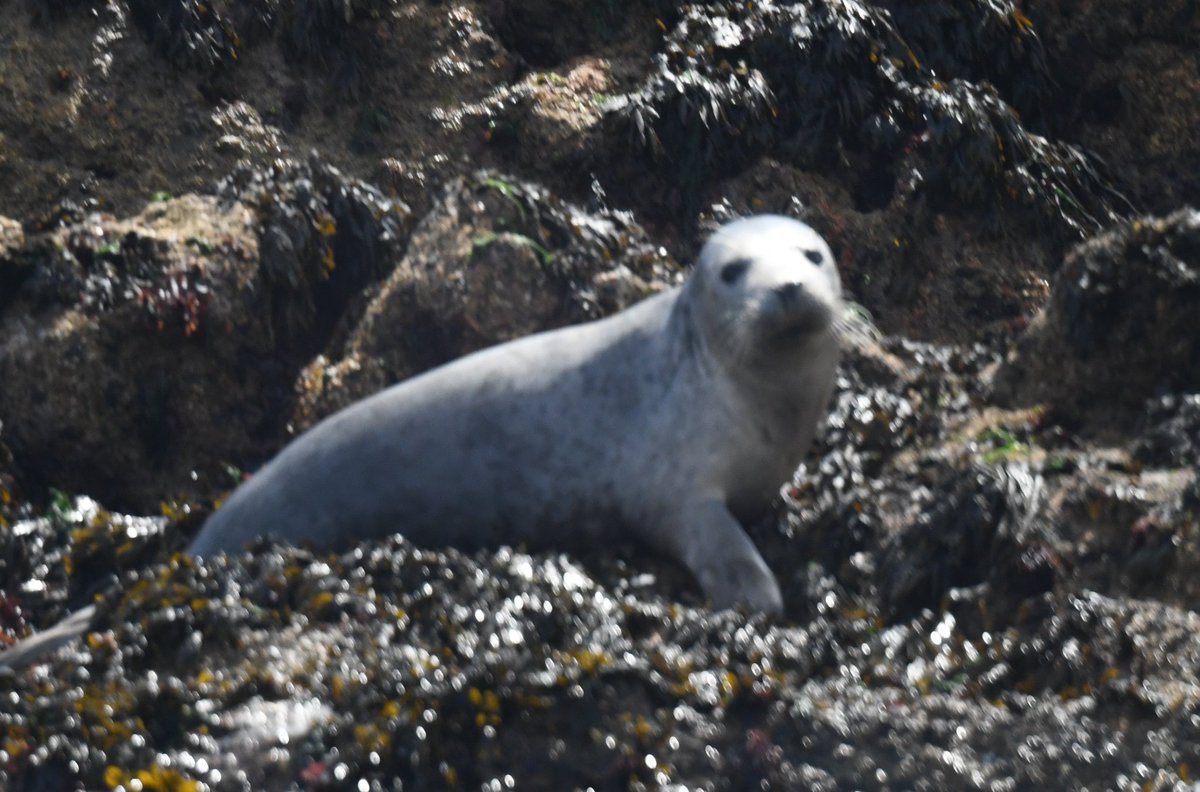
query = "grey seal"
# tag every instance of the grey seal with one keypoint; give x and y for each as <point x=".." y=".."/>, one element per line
<point x="669" y="424"/>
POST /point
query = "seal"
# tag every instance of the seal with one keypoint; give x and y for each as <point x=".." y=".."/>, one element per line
<point x="667" y="424"/>
<point x="671" y="424"/>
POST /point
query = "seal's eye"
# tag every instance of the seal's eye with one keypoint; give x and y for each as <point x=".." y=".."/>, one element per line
<point x="814" y="256"/>
<point x="734" y="270"/>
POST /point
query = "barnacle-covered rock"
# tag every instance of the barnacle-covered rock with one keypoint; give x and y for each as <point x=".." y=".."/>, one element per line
<point x="53" y="563"/>
<point x="984" y="527"/>
<point x="138" y="351"/>
<point x="1119" y="328"/>
<point x="11" y="235"/>
<point x="12" y="271"/>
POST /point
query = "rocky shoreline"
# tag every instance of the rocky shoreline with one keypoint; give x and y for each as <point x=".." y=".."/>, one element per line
<point x="221" y="222"/>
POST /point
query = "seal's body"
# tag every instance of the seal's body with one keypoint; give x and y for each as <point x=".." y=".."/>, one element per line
<point x="665" y="424"/>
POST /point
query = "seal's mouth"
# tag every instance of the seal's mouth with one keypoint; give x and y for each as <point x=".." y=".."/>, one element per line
<point x="801" y="330"/>
<point x="799" y="315"/>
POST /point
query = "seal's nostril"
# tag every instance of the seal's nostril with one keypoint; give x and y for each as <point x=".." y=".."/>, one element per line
<point x="789" y="293"/>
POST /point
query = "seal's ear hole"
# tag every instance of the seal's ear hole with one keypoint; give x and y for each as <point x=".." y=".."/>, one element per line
<point x="814" y="256"/>
<point x="734" y="270"/>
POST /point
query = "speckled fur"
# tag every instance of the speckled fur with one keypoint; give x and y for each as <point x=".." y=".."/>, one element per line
<point x="662" y="422"/>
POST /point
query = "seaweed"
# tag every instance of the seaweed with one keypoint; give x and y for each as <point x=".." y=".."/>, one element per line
<point x="565" y="238"/>
<point x="991" y="41"/>
<point x="702" y="111"/>
<point x="975" y="151"/>
<point x="323" y="235"/>
<point x="326" y="32"/>
<point x="825" y="81"/>
<point x="209" y="35"/>
<point x="187" y="32"/>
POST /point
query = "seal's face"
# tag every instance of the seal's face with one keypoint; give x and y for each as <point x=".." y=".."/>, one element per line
<point x="769" y="286"/>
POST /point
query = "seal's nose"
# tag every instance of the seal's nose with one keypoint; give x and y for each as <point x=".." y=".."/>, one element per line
<point x="789" y="293"/>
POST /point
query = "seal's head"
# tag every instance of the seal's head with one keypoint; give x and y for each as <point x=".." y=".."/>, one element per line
<point x="767" y="286"/>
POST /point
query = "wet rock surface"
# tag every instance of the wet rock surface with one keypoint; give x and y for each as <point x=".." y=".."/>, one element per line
<point x="220" y="222"/>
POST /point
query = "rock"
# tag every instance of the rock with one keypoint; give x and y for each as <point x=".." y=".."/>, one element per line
<point x="496" y="259"/>
<point x="1170" y="432"/>
<point x="1120" y="327"/>
<point x="1135" y="110"/>
<point x="978" y="595"/>
<point x="137" y="352"/>
<point x="11" y="235"/>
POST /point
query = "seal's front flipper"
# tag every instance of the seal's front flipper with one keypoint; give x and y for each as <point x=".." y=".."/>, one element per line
<point x="713" y="545"/>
